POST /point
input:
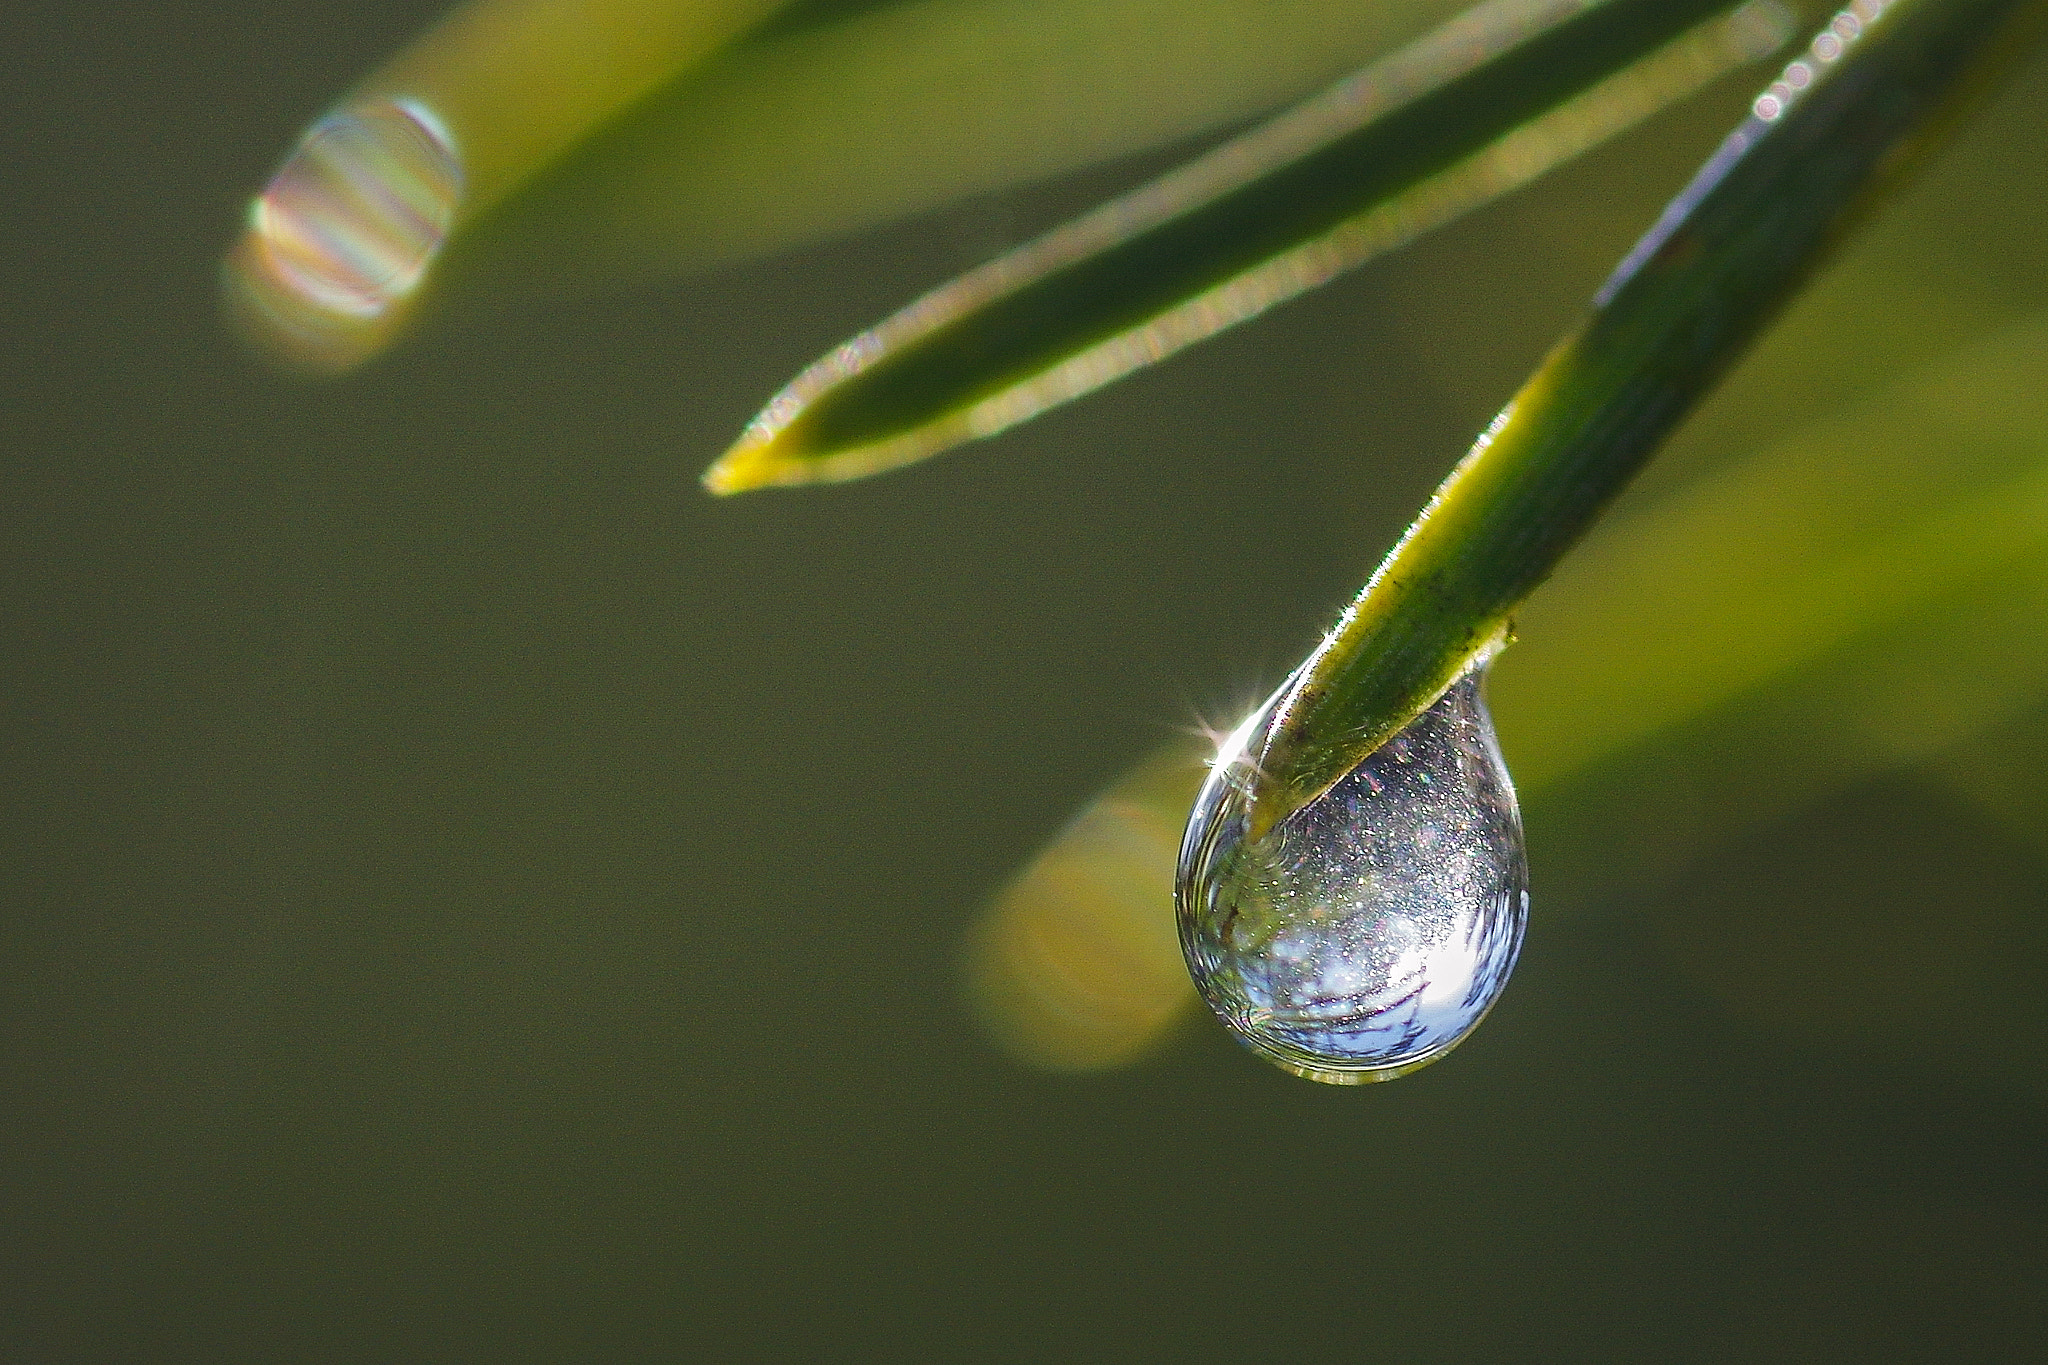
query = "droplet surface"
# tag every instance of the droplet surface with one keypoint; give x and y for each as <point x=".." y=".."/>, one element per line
<point x="347" y="229"/>
<point x="1369" y="932"/>
<point x="362" y="206"/>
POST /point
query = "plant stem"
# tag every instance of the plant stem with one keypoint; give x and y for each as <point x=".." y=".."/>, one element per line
<point x="1874" y="89"/>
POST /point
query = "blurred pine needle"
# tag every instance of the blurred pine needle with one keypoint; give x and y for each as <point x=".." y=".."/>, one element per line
<point x="609" y="144"/>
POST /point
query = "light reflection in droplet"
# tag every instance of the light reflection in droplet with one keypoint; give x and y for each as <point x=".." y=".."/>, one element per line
<point x="346" y="230"/>
<point x="1366" y="934"/>
<point x="1827" y="46"/>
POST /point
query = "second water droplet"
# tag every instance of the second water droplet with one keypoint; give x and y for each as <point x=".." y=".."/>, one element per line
<point x="354" y="217"/>
<point x="344" y="233"/>
<point x="1369" y="932"/>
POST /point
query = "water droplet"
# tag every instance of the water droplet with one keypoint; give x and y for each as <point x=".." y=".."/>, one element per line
<point x="1367" y="933"/>
<point x="347" y="228"/>
<point x="355" y="215"/>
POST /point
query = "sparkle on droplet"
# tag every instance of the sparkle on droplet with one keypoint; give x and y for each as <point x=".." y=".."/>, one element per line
<point x="1367" y="933"/>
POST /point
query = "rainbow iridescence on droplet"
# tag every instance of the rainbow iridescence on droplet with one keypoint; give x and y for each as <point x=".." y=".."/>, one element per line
<point x="1367" y="933"/>
<point x="346" y="230"/>
<point x="352" y="219"/>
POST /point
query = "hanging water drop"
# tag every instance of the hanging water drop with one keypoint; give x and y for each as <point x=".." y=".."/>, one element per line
<point x="1367" y="933"/>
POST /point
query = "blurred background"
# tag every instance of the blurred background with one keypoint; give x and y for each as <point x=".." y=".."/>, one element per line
<point x="471" y="896"/>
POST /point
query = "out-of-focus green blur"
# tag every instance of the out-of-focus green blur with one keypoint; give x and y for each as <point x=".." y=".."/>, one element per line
<point x="471" y="897"/>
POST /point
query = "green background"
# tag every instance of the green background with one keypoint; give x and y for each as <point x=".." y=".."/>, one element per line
<point x="469" y="896"/>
